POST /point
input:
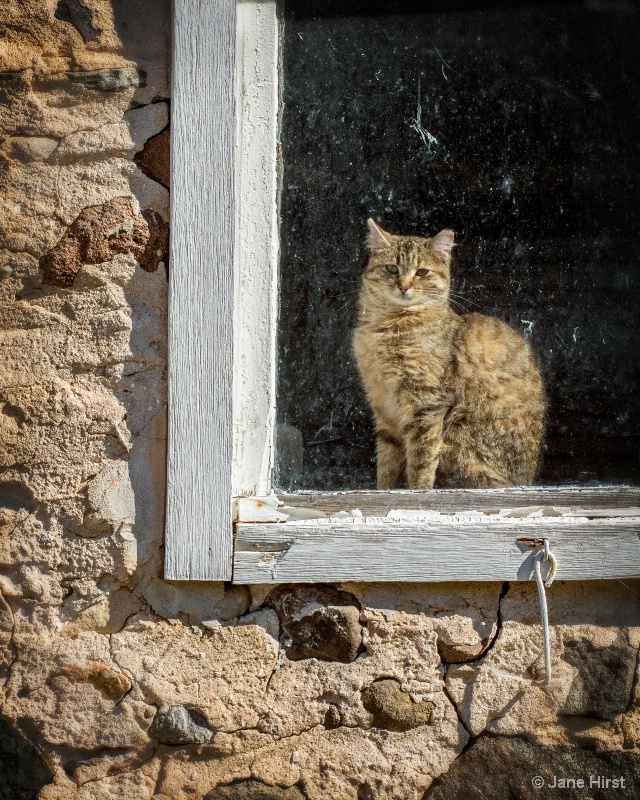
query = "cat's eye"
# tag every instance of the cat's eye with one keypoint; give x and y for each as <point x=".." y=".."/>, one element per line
<point x="392" y="269"/>
<point x="422" y="272"/>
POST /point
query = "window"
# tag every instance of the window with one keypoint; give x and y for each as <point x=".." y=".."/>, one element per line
<point x="223" y="324"/>
<point x="515" y="125"/>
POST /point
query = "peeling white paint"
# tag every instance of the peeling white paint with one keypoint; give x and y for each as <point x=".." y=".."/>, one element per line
<point x="256" y="249"/>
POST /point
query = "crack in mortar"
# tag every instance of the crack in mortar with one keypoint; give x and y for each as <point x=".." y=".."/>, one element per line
<point x="503" y="593"/>
<point x="634" y="684"/>
<point x="447" y="694"/>
<point x="257" y="750"/>
<point x="281" y="658"/>
<point x="14" y="649"/>
<point x="274" y="736"/>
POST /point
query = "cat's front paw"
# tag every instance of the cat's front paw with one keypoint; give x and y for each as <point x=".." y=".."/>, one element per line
<point x="422" y="482"/>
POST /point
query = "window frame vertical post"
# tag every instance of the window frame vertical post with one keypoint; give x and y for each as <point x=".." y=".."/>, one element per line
<point x="199" y="538"/>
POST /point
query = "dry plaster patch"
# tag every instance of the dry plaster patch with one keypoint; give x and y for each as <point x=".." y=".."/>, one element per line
<point x="125" y="137"/>
<point x="465" y="619"/>
<point x="335" y="764"/>
<point x="65" y="573"/>
<point x="104" y="611"/>
<point x="40" y="199"/>
<point x="73" y="688"/>
<point x="397" y="766"/>
<point x="91" y="183"/>
<point x="201" y="602"/>
<point x="138" y="784"/>
<point x="19" y="274"/>
<point x="48" y="103"/>
<point x="63" y="325"/>
<point x="222" y="674"/>
<point x="110" y="496"/>
<point x="485" y="690"/>
<point x="29" y="555"/>
<point x="50" y="426"/>
<point x="76" y="335"/>
<point x="301" y="693"/>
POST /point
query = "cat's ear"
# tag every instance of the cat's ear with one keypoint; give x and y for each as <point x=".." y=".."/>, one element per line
<point x="443" y="242"/>
<point x="377" y="239"/>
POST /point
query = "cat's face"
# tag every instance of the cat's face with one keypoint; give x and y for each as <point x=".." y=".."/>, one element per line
<point x="408" y="271"/>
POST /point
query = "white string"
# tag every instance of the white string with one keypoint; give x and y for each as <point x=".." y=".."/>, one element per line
<point x="547" y="556"/>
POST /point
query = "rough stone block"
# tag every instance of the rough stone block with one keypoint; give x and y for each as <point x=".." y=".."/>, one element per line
<point x="154" y="159"/>
<point x="223" y="672"/>
<point x="100" y="233"/>
<point x="110" y="80"/>
<point x="80" y="17"/>
<point x="393" y="709"/>
<point x="180" y="725"/>
<point x="111" y="498"/>
<point x="495" y="768"/>
<point x="602" y="687"/>
<point x="110" y="682"/>
<point x="318" y="622"/>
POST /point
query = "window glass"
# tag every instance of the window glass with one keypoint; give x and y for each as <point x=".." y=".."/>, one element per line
<point x="516" y="127"/>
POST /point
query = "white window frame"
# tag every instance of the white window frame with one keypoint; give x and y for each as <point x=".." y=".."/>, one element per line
<point x="222" y="328"/>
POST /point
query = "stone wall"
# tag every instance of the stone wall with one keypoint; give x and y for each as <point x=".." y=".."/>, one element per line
<point x="116" y="684"/>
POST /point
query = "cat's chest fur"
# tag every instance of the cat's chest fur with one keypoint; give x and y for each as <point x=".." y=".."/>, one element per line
<point x="403" y="359"/>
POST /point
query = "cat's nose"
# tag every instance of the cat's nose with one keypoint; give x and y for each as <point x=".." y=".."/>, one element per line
<point x="404" y="287"/>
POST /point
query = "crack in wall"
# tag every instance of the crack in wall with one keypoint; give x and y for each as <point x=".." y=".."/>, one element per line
<point x="634" y="685"/>
<point x="503" y="593"/>
<point x="447" y="694"/>
<point x="14" y="648"/>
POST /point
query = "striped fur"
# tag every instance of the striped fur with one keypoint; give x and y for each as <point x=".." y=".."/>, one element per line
<point x="458" y="400"/>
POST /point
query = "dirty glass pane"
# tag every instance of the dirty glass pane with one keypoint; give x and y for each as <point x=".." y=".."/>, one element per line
<point x="517" y="127"/>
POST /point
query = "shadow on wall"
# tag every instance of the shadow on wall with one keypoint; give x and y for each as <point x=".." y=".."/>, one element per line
<point x="22" y="769"/>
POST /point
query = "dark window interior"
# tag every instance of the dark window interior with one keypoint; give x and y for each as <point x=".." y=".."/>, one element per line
<point x="516" y="126"/>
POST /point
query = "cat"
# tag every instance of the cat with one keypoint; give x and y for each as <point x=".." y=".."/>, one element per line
<point x="458" y="399"/>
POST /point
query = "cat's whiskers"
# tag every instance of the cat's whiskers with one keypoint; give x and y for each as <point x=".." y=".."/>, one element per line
<point x="459" y="305"/>
<point x="465" y="298"/>
<point x="350" y="302"/>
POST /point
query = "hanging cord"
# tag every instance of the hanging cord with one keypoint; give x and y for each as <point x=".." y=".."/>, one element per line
<point x="547" y="556"/>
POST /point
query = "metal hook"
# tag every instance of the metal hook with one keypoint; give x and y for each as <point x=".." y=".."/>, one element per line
<point x="553" y="561"/>
<point x="547" y="556"/>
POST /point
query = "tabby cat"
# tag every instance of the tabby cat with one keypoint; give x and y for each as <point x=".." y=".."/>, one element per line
<point x="458" y="400"/>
